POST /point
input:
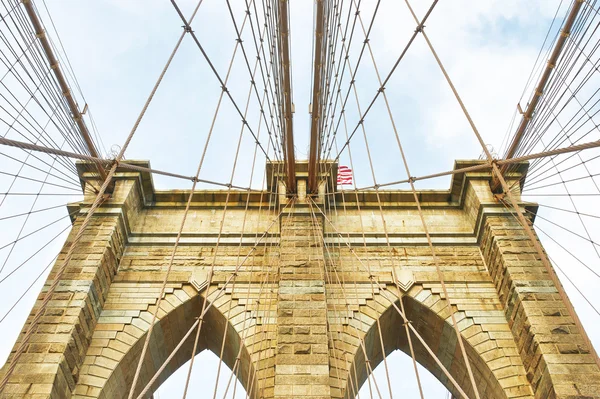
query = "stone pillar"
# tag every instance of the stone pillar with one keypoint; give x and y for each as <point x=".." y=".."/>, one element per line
<point x="556" y="359"/>
<point x="50" y="365"/>
<point x="302" y="359"/>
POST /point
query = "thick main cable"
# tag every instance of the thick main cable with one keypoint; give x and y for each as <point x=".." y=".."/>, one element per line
<point x="97" y="202"/>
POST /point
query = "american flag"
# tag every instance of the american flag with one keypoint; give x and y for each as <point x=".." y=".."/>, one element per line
<point x="344" y="175"/>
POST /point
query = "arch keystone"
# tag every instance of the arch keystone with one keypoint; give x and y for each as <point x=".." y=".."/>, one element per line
<point x="199" y="279"/>
<point x="404" y="278"/>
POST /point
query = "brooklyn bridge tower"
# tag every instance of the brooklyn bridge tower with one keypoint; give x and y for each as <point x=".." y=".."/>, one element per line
<point x="300" y="280"/>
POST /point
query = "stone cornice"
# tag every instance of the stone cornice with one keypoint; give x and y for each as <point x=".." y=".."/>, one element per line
<point x="392" y="199"/>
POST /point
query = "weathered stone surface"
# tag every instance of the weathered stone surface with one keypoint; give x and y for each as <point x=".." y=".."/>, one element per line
<point x="305" y="315"/>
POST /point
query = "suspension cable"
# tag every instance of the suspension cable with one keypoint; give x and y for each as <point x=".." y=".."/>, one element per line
<point x="512" y="200"/>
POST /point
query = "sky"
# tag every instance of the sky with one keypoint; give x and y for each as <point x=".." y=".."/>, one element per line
<point x="118" y="48"/>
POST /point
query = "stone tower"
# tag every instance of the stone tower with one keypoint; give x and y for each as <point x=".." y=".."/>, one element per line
<point x="304" y="292"/>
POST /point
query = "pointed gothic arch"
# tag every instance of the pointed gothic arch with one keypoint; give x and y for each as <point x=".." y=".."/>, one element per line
<point x="427" y="316"/>
<point x="109" y="373"/>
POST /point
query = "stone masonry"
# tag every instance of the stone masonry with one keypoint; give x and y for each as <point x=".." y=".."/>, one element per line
<point x="302" y="357"/>
<point x="306" y="315"/>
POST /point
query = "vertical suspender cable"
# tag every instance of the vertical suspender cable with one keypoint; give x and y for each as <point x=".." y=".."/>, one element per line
<point x="524" y="223"/>
<point x="97" y="202"/>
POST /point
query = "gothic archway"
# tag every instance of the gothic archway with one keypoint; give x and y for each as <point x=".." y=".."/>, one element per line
<point x="440" y="336"/>
<point x="113" y="379"/>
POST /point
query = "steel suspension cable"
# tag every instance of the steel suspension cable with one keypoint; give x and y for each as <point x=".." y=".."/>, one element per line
<point x="6" y="259"/>
<point x="594" y="244"/>
<point x="262" y="59"/>
<point x="423" y="222"/>
<point x="223" y="83"/>
<point x="265" y="281"/>
<point x="235" y="369"/>
<point x="184" y="216"/>
<point x="339" y="76"/>
<point x="211" y="271"/>
<point x="64" y="57"/>
<point x="585" y="298"/>
<point x="566" y="67"/>
<point x="16" y="303"/>
<point x="358" y="333"/>
<point x="569" y="252"/>
<point x="274" y="88"/>
<point x="334" y="74"/>
<point x="569" y="211"/>
<point x="268" y="302"/>
<point x="24" y="162"/>
<point x="377" y="191"/>
<point x="380" y="90"/>
<point x="567" y="137"/>
<point x="385" y="234"/>
<point x="365" y="248"/>
<point x="513" y="202"/>
<point x="37" y="65"/>
<point x="219" y="293"/>
<point x="17" y="268"/>
<point x="342" y="283"/>
<point x="511" y="210"/>
<point x="559" y="172"/>
<point x="353" y="75"/>
<point x="97" y="201"/>
<point x="251" y="73"/>
<point x="384" y="293"/>
<point x="41" y="136"/>
<point x="558" y="80"/>
<point x="120" y="164"/>
<point x="319" y="241"/>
